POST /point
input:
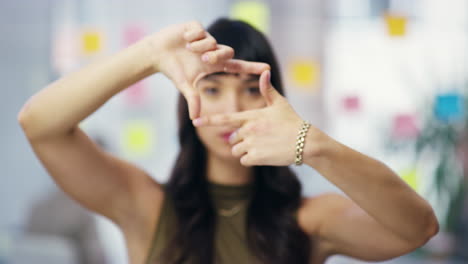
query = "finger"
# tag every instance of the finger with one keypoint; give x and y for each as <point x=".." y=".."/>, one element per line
<point x="241" y="66"/>
<point x="204" y="45"/>
<point x="222" y="53"/>
<point x="247" y="160"/>
<point x="267" y="90"/>
<point x="234" y="120"/>
<point x="193" y="100"/>
<point x="237" y="136"/>
<point x="194" y="31"/>
<point x="239" y="149"/>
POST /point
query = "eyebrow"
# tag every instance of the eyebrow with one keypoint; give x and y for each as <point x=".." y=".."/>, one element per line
<point x="212" y="77"/>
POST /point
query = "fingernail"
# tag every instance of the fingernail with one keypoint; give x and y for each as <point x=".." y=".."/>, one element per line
<point x="205" y="57"/>
<point x="197" y="122"/>
<point x="232" y="136"/>
<point x="268" y="76"/>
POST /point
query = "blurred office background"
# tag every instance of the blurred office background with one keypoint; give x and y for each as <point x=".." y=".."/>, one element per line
<point x="386" y="77"/>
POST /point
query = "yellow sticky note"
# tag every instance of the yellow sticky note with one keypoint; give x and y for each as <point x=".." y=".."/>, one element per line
<point x="396" y="25"/>
<point x="410" y="176"/>
<point x="255" y="13"/>
<point x="92" y="41"/>
<point x="138" y="137"/>
<point x="304" y="74"/>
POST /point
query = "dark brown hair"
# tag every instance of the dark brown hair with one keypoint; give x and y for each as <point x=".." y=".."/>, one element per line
<point x="274" y="235"/>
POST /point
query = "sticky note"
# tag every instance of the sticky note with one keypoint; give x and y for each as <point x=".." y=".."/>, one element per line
<point x="352" y="103"/>
<point x="92" y="41"/>
<point x="396" y="25"/>
<point x="404" y="126"/>
<point x="137" y="94"/>
<point x="304" y="74"/>
<point x="138" y="137"/>
<point x="133" y="33"/>
<point x="65" y="50"/>
<point x="410" y="176"/>
<point x="449" y="107"/>
<point x="255" y="13"/>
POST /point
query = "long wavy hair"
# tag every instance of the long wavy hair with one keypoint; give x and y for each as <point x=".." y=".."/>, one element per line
<point x="273" y="233"/>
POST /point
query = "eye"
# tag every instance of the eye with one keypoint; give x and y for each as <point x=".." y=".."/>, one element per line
<point x="211" y="91"/>
<point x="253" y="90"/>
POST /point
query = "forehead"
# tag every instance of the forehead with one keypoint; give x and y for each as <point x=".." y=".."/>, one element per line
<point x="223" y="76"/>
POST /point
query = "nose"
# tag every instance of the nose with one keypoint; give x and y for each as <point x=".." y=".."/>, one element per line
<point x="232" y="103"/>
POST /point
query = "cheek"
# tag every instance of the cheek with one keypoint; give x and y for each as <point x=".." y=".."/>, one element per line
<point x="205" y="133"/>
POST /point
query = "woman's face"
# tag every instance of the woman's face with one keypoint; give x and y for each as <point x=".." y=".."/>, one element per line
<point x="223" y="93"/>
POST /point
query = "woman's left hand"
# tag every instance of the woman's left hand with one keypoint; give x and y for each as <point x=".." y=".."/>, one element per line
<point x="265" y="136"/>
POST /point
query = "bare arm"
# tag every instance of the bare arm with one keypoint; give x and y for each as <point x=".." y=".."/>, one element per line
<point x="382" y="218"/>
<point x="383" y="213"/>
<point x="99" y="181"/>
<point x="57" y="109"/>
<point x="50" y="118"/>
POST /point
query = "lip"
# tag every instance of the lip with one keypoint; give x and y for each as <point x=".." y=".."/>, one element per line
<point x="225" y="135"/>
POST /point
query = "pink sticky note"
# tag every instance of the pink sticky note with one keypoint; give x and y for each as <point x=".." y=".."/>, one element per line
<point x="352" y="103"/>
<point x="65" y="50"/>
<point x="136" y="94"/>
<point x="133" y="33"/>
<point x="404" y="126"/>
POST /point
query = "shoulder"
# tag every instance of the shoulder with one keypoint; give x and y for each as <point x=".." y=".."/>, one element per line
<point x="140" y="227"/>
<point x="147" y="205"/>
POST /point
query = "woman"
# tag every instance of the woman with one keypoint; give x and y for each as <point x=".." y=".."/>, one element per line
<point x="231" y="197"/>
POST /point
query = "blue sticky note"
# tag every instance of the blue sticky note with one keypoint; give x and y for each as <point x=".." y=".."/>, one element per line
<point x="449" y="107"/>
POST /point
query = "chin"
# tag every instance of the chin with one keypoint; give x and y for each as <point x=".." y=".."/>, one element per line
<point x="224" y="153"/>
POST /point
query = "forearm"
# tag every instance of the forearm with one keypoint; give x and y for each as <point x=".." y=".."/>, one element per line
<point x="375" y="188"/>
<point x="59" y="107"/>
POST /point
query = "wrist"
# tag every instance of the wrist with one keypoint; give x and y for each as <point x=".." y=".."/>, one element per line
<point x="318" y="146"/>
<point x="152" y="53"/>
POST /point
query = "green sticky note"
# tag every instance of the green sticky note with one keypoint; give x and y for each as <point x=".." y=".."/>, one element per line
<point x="138" y="137"/>
<point x="410" y="176"/>
<point x="254" y="13"/>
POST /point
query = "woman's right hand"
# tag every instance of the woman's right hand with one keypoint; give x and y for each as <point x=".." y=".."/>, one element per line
<point x="185" y="53"/>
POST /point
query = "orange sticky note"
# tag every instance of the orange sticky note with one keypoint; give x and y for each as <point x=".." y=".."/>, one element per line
<point x="304" y="74"/>
<point x="396" y="25"/>
<point x="92" y="41"/>
<point x="255" y="13"/>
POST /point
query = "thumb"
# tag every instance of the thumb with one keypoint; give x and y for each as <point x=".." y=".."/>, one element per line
<point x="193" y="99"/>
<point x="267" y="90"/>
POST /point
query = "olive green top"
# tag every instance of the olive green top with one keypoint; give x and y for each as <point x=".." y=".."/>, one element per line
<point x="230" y="237"/>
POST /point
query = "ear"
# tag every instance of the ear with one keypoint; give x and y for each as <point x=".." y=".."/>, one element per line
<point x="267" y="90"/>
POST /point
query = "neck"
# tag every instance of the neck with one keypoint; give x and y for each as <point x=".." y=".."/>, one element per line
<point x="228" y="172"/>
